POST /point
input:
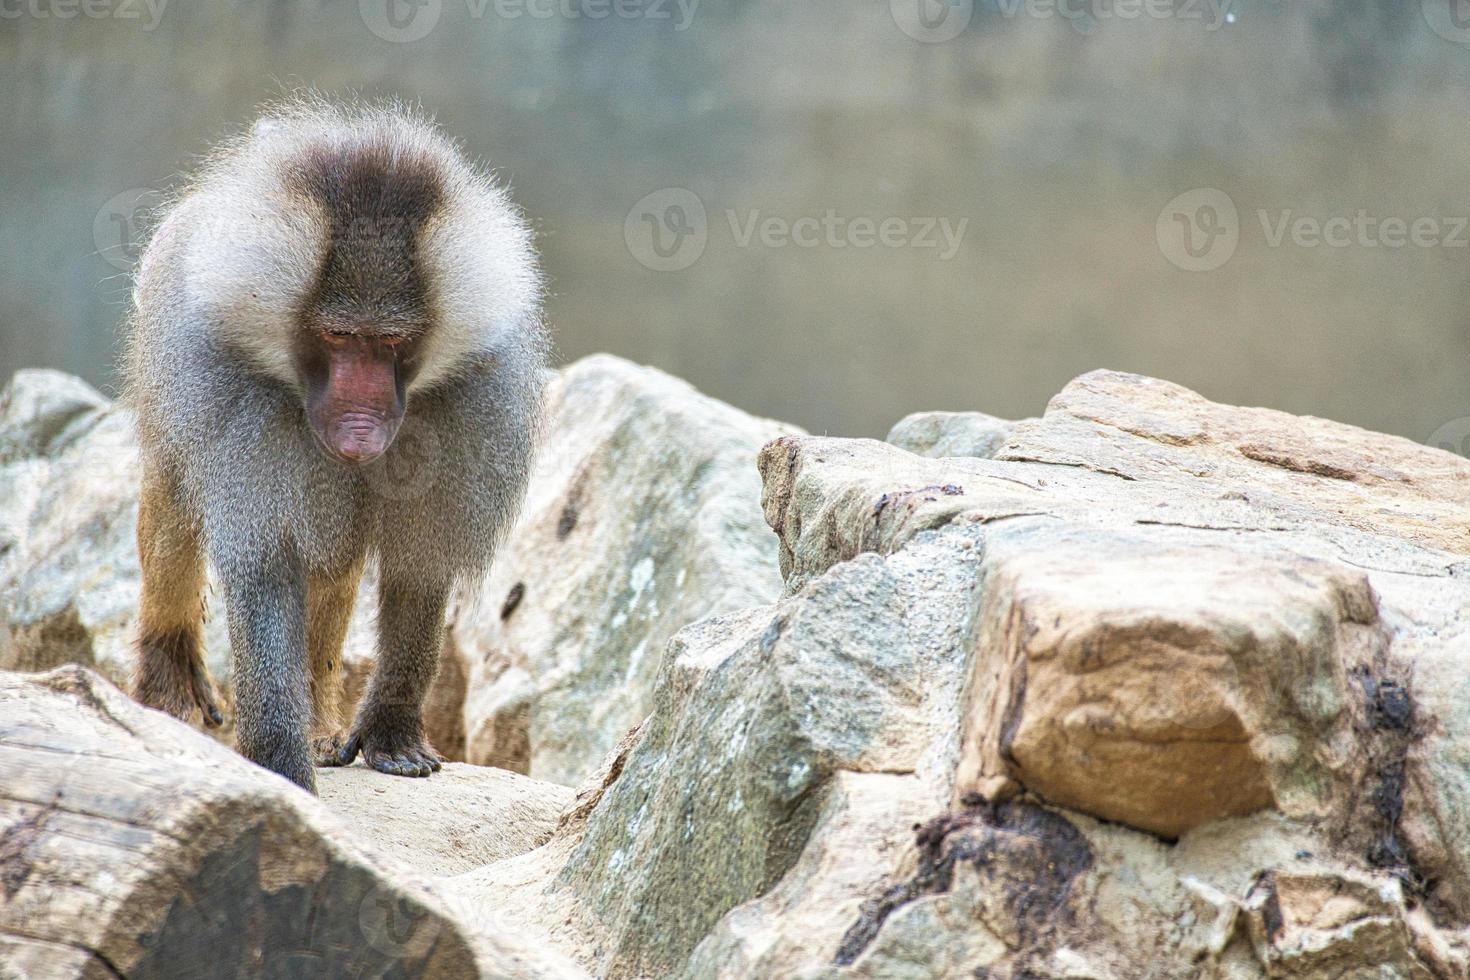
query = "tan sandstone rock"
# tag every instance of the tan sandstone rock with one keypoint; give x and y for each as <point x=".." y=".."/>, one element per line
<point x="1165" y="684"/>
<point x="461" y="818"/>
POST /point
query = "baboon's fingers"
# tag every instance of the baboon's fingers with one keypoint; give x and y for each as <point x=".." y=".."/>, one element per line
<point x="326" y="749"/>
<point x="417" y="761"/>
<point x="207" y="699"/>
<point x="349" y="750"/>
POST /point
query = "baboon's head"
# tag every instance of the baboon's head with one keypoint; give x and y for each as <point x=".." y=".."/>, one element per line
<point x="365" y="320"/>
<point x="353" y="254"/>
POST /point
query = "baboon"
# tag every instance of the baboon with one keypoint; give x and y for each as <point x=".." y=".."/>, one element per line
<point x="334" y="275"/>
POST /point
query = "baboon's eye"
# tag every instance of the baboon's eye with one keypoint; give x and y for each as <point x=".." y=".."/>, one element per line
<point x="335" y="338"/>
<point x="392" y="343"/>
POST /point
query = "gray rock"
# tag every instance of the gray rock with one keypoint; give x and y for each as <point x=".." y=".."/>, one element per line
<point x="939" y="434"/>
<point x="42" y="410"/>
<point x="642" y="517"/>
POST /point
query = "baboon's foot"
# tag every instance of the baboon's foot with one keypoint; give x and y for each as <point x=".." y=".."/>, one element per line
<point x="325" y="748"/>
<point x="285" y="756"/>
<point x="171" y="677"/>
<point x="397" y="749"/>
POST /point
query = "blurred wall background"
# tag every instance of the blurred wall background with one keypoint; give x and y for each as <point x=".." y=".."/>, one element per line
<point x="1053" y="140"/>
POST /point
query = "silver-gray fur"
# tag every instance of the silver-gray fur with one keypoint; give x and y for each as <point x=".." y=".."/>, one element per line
<point x="221" y="293"/>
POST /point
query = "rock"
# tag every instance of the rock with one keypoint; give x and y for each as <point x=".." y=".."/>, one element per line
<point x="1166" y="683"/>
<point x="641" y="518"/>
<point x="1161" y="685"/>
<point x="1435" y="781"/>
<point x="69" y="581"/>
<point x="462" y="818"/>
<point x="1186" y="612"/>
<point x="761" y="719"/>
<point x="1320" y="926"/>
<point x="938" y="434"/>
<point x="41" y="411"/>
<point x="858" y="838"/>
<point x="133" y="845"/>
<point x="995" y="881"/>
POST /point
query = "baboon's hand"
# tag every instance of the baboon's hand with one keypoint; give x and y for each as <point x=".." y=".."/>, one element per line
<point x="177" y="685"/>
<point x="391" y="749"/>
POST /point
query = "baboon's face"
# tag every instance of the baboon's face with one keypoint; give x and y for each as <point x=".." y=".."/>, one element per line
<point x="354" y="381"/>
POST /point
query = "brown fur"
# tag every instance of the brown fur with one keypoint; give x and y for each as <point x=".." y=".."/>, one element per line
<point x="328" y="609"/>
<point x="171" y="675"/>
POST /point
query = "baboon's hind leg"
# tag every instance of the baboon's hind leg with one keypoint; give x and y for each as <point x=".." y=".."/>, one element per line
<point x="329" y="602"/>
<point x="170" y="674"/>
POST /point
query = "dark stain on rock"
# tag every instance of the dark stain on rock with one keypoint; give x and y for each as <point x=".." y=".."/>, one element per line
<point x="15" y="865"/>
<point x="771" y="635"/>
<point x="1271" y="916"/>
<point x="1028" y="855"/>
<point x="948" y="489"/>
<point x="567" y="522"/>
<point x="1391" y="728"/>
<point x="512" y="600"/>
<point x="878" y="508"/>
<point x="1389" y="706"/>
<point x="1015" y="711"/>
<point x="345" y="923"/>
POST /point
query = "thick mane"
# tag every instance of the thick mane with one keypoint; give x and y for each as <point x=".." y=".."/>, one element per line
<point x="376" y="198"/>
<point x="357" y="210"/>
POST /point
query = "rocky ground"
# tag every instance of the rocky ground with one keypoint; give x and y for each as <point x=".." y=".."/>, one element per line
<point x="1148" y="687"/>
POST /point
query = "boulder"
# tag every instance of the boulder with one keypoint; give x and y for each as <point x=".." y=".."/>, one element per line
<point x="1186" y="613"/>
<point x="68" y="563"/>
<point x="642" y="516"/>
<point x="938" y="434"/>
<point x="1320" y="925"/>
<point x="42" y="410"/>
<point x="1165" y="681"/>
<point x="132" y="845"/>
<point x="762" y="721"/>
